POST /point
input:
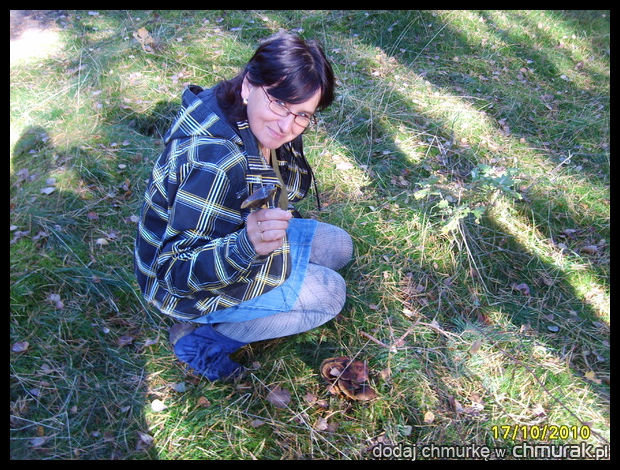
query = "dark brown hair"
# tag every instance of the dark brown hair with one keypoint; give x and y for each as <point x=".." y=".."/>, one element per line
<point x="292" y="68"/>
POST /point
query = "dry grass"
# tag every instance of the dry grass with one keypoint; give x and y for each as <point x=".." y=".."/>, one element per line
<point x="467" y="154"/>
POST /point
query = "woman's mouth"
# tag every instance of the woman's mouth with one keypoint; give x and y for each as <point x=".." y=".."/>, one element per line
<point x="275" y="134"/>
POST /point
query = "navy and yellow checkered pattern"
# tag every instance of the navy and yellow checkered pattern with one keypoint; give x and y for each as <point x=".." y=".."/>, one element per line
<point x="192" y="252"/>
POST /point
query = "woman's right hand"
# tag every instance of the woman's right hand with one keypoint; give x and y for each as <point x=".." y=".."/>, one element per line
<point x="266" y="229"/>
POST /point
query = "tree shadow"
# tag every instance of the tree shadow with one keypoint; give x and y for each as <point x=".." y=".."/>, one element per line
<point x="554" y="304"/>
<point x="553" y="301"/>
<point x="89" y="338"/>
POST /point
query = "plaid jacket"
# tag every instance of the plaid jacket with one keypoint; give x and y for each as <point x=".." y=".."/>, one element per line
<point x="192" y="252"/>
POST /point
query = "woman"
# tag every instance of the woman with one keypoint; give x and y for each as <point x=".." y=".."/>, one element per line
<point x="206" y="256"/>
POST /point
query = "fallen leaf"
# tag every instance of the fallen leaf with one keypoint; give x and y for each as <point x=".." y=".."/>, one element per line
<point x="475" y="346"/>
<point x="321" y="424"/>
<point x="310" y="398"/>
<point x="279" y="397"/>
<point x="429" y="417"/>
<point x="408" y="313"/>
<point x="19" y="234"/>
<point x="158" y="405"/>
<point x="204" y="402"/>
<point x="179" y="387"/>
<point x="150" y="342"/>
<point x="547" y="280"/>
<point x="125" y="340"/>
<point x="38" y="441"/>
<point x="386" y="373"/>
<point x="538" y="410"/>
<point x="569" y="232"/>
<point x="47" y="191"/>
<point x="344" y="166"/>
<point x="40" y="235"/>
<point x="589" y="249"/>
<point x="590" y="375"/>
<point x="456" y="404"/>
<point x="55" y="299"/>
<point x="145" y="39"/>
<point x="523" y="288"/>
<point x="255" y="423"/>
<point x="20" y="346"/>
<point x="145" y="441"/>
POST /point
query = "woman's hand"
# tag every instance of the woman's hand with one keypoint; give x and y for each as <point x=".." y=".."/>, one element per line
<point x="266" y="229"/>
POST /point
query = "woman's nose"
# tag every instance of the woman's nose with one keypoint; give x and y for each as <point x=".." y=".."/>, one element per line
<point x="286" y="123"/>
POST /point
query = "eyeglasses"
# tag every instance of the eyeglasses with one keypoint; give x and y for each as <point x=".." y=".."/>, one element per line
<point x="278" y="107"/>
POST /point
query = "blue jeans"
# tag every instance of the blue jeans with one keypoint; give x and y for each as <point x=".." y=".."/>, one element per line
<point x="321" y="298"/>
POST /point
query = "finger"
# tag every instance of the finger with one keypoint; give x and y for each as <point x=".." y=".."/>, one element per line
<point x="273" y="214"/>
<point x="272" y="235"/>
<point x="265" y="225"/>
<point x="265" y="248"/>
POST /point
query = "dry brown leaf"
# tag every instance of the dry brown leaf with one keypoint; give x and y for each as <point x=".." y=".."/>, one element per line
<point x="321" y="424"/>
<point x="523" y="288"/>
<point x="590" y="375"/>
<point x="204" y="402"/>
<point x="20" y="346"/>
<point x="125" y="340"/>
<point x="145" y="39"/>
<point x="38" y="441"/>
<point x="589" y="249"/>
<point x="55" y="299"/>
<point x="145" y="441"/>
<point x="279" y="397"/>
<point x="386" y="373"/>
<point x="475" y="346"/>
<point x="158" y="405"/>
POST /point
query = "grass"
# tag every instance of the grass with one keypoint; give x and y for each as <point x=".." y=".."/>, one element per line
<point x="468" y="155"/>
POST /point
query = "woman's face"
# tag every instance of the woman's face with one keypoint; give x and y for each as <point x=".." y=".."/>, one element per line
<point x="272" y="130"/>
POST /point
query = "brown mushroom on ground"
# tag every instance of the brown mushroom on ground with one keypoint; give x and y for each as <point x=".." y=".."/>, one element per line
<point x="347" y="378"/>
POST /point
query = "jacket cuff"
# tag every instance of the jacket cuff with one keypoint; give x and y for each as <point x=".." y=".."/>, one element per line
<point x="246" y="249"/>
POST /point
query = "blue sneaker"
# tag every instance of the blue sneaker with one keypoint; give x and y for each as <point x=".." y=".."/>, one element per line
<point x="206" y="351"/>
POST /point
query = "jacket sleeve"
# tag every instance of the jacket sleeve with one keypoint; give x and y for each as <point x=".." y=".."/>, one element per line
<point x="205" y="246"/>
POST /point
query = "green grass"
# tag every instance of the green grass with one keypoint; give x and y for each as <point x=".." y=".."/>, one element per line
<point x="467" y="154"/>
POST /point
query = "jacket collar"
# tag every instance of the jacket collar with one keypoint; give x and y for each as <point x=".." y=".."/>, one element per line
<point x="200" y="115"/>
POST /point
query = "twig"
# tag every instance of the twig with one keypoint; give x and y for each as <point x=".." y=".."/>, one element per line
<point x="374" y="340"/>
<point x="396" y="344"/>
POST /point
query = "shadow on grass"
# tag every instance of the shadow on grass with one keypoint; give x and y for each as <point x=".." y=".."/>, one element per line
<point x="80" y="389"/>
<point x="581" y="339"/>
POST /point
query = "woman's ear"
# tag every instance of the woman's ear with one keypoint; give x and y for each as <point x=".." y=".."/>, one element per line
<point x="246" y="87"/>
